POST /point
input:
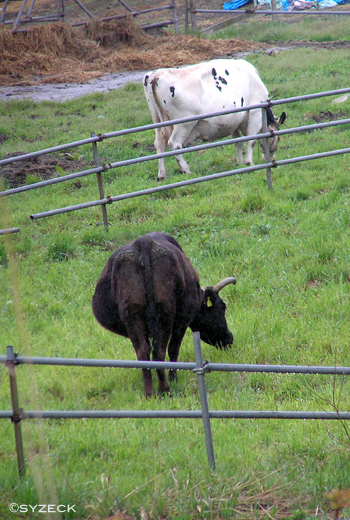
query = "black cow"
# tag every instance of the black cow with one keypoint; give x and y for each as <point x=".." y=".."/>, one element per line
<point x="149" y="292"/>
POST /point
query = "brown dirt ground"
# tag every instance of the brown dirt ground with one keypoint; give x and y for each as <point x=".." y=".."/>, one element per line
<point x="41" y="168"/>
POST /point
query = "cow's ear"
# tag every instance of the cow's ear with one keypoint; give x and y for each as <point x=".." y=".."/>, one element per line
<point x="282" y="118"/>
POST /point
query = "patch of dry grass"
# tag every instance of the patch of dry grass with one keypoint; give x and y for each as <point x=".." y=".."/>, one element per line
<point x="59" y="53"/>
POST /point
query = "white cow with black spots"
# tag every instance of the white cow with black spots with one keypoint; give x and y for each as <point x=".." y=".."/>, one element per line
<point x="204" y="88"/>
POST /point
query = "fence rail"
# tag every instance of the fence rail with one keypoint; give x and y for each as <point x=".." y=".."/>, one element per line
<point x="200" y="368"/>
<point x="129" y="162"/>
<point x="9" y="231"/>
<point x="189" y="182"/>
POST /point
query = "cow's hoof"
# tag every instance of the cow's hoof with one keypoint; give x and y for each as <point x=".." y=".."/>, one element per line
<point x="163" y="392"/>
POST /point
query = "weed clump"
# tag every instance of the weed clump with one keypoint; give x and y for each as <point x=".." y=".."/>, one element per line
<point x="61" y="249"/>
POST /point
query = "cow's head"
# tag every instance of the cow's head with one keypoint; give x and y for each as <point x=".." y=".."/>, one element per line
<point x="210" y="321"/>
<point x="273" y="124"/>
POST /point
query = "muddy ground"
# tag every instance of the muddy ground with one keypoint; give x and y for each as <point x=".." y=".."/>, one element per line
<point x="65" y="91"/>
<point x="41" y="168"/>
<point x="43" y="91"/>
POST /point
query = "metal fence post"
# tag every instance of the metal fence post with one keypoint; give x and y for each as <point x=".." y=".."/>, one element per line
<point x="176" y="25"/>
<point x="200" y="371"/>
<point x="265" y="145"/>
<point x="193" y="15"/>
<point x="19" y="16"/>
<point x="100" y="181"/>
<point x="2" y="17"/>
<point x="186" y="16"/>
<point x="273" y="7"/>
<point x="16" y="417"/>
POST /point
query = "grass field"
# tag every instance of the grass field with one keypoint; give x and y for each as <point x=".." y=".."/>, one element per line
<point x="295" y="28"/>
<point x="289" y="250"/>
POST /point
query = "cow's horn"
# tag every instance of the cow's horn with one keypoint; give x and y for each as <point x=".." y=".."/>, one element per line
<point x="224" y="282"/>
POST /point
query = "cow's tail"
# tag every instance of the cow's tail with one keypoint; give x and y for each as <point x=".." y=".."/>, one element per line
<point x="151" y="317"/>
<point x="156" y="106"/>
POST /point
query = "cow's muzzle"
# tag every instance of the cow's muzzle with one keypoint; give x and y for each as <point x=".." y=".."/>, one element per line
<point x="222" y="343"/>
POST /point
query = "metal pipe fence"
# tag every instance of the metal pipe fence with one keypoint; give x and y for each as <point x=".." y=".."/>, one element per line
<point x="181" y="184"/>
<point x="101" y="168"/>
<point x="129" y="162"/>
<point x="9" y="231"/>
<point x="200" y="368"/>
<point x="136" y="129"/>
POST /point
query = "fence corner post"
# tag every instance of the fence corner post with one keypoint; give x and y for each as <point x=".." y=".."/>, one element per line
<point x="200" y="371"/>
<point x="16" y="417"/>
<point x="100" y="181"/>
<point x="265" y="145"/>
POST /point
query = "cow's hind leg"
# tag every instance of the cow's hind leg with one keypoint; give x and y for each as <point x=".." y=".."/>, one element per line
<point x="138" y="336"/>
<point x="160" y="144"/>
<point x="143" y="353"/>
<point x="163" y="387"/>
<point x="159" y="351"/>
<point x="184" y="168"/>
<point x="160" y="340"/>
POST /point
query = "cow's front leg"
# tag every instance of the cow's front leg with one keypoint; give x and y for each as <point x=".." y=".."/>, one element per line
<point x="239" y="151"/>
<point x="174" y="347"/>
<point x="184" y="168"/>
<point x="254" y="125"/>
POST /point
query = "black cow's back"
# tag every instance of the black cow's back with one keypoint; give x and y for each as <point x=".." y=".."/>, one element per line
<point x="150" y="277"/>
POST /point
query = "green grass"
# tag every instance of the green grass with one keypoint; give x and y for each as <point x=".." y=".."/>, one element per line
<point x="289" y="250"/>
<point x="312" y="28"/>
